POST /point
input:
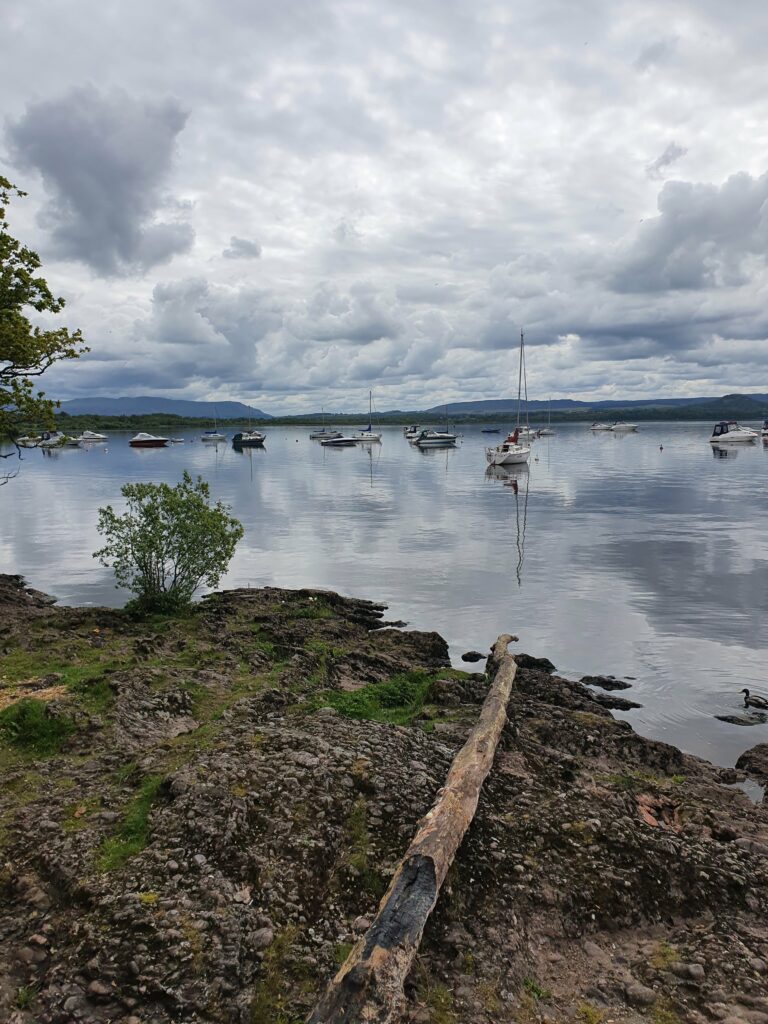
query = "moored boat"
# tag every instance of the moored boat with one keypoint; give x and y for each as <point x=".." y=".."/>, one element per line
<point x="435" y="439"/>
<point x="340" y="441"/>
<point x="731" y="432"/>
<point x="511" y="452"/>
<point x="143" y="440"/>
<point x="620" y="427"/>
<point x="600" y="426"/>
<point x="247" y="439"/>
<point x="213" y="437"/>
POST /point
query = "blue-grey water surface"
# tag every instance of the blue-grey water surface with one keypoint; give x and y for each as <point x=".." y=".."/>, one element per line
<point x="607" y="555"/>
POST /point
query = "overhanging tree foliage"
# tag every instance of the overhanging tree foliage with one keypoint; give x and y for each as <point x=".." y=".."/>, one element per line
<point x="168" y="542"/>
<point x="26" y="351"/>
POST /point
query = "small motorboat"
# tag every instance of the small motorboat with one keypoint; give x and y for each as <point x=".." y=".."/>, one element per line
<point x="435" y="439"/>
<point x="509" y="453"/>
<point x="143" y="440"/>
<point x="412" y="431"/>
<point x="620" y="427"/>
<point x="545" y="432"/>
<point x="731" y="432"/>
<point x="247" y="439"/>
<point x="91" y="437"/>
<point x="47" y="439"/>
<point x="213" y="437"/>
<point x="764" y="431"/>
<point x="338" y="442"/>
<point x="601" y="426"/>
<point x="528" y="433"/>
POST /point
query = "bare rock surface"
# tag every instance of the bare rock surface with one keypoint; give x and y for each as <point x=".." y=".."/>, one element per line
<point x="226" y="796"/>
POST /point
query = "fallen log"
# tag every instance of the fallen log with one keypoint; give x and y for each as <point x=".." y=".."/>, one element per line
<point x="369" y="985"/>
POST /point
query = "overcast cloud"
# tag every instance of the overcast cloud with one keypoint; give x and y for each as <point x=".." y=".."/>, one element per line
<point x="289" y="204"/>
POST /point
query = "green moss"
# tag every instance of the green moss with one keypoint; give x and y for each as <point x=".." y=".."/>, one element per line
<point x="277" y="984"/>
<point x="358" y="839"/>
<point x="663" y="956"/>
<point x="438" y="1000"/>
<point x="133" y="833"/>
<point x="28" y="726"/>
<point x="635" y="781"/>
<point x="663" y="1012"/>
<point x="586" y="1013"/>
<point x="398" y="700"/>
<point x="341" y="951"/>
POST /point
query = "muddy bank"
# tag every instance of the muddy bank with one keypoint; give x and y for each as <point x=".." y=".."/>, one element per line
<point x="198" y="816"/>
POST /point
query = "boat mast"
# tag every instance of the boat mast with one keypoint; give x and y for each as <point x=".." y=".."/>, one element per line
<point x="370" y="405"/>
<point x="519" y="378"/>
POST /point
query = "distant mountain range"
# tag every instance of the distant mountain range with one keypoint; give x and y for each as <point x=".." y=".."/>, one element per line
<point x="567" y="404"/>
<point x="147" y="405"/>
<point x="753" y="406"/>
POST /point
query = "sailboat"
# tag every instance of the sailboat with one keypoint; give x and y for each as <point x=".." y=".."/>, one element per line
<point x="369" y="434"/>
<point x="324" y="434"/>
<point x="548" y="431"/>
<point x="510" y="452"/>
<point x="213" y="436"/>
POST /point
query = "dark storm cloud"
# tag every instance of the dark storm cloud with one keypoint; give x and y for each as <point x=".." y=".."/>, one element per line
<point x="704" y="237"/>
<point x="673" y="152"/>
<point x="242" y="249"/>
<point x="105" y="159"/>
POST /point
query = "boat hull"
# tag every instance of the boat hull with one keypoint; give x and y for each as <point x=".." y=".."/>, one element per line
<point x="159" y="443"/>
<point x="511" y="456"/>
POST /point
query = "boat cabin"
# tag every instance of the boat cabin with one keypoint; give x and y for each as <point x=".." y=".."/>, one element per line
<point x="723" y="427"/>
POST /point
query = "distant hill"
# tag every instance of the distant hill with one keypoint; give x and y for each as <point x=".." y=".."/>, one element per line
<point x="148" y="405"/>
<point x="500" y="405"/>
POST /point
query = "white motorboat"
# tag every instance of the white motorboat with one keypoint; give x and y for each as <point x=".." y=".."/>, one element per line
<point x="527" y="433"/>
<point x="764" y="431"/>
<point x="91" y="437"/>
<point x="143" y="440"/>
<point x="435" y="439"/>
<point x="369" y="434"/>
<point x="731" y="432"/>
<point x="47" y="439"/>
<point x="412" y="431"/>
<point x="213" y="437"/>
<point x="339" y="441"/>
<point x="601" y="426"/>
<point x="511" y="452"/>
<point x="620" y="427"/>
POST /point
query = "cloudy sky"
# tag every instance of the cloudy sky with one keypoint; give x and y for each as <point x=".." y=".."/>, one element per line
<point x="289" y="203"/>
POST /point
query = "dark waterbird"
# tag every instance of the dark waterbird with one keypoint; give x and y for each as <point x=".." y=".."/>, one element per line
<point x="754" y="700"/>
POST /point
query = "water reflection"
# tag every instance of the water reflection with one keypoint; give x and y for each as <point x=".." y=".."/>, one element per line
<point x="515" y="477"/>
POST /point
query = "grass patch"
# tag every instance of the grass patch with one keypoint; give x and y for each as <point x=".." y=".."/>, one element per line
<point x="663" y="956"/>
<point x="636" y="781"/>
<point x="586" y="1013"/>
<point x="341" y="951"/>
<point x="533" y="988"/>
<point x="356" y="827"/>
<point x="25" y="997"/>
<point x="29" y="727"/>
<point x="663" y="1012"/>
<point x="396" y="701"/>
<point x="438" y="1000"/>
<point x="133" y="834"/>
<point x="277" y="984"/>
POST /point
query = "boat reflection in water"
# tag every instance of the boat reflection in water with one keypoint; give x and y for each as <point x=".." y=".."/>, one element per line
<point x="722" y="451"/>
<point x="517" y="478"/>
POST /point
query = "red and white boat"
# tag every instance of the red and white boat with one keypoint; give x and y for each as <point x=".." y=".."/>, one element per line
<point x="148" y="441"/>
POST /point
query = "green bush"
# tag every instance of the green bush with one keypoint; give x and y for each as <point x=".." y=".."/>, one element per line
<point x="27" y="724"/>
<point x="169" y="542"/>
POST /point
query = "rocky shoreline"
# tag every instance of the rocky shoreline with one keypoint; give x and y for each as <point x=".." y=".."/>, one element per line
<point x="199" y="815"/>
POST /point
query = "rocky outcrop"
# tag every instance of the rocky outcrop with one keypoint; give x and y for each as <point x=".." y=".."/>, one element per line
<point x="234" y="790"/>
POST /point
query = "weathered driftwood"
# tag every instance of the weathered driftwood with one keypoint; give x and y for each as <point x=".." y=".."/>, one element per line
<point x="369" y="986"/>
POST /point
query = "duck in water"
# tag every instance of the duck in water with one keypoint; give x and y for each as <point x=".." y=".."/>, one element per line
<point x="754" y="700"/>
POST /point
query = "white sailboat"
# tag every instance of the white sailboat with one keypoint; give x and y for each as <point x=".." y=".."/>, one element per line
<point x="510" y="452"/>
<point x="369" y="434"/>
<point x="213" y="436"/>
<point x="548" y="431"/>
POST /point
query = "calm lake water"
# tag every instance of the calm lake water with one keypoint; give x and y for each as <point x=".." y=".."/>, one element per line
<point x="607" y="555"/>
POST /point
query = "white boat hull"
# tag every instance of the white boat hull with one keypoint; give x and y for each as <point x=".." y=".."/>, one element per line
<point x="367" y="435"/>
<point x="508" y="455"/>
<point x="623" y="428"/>
<point x="728" y="439"/>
